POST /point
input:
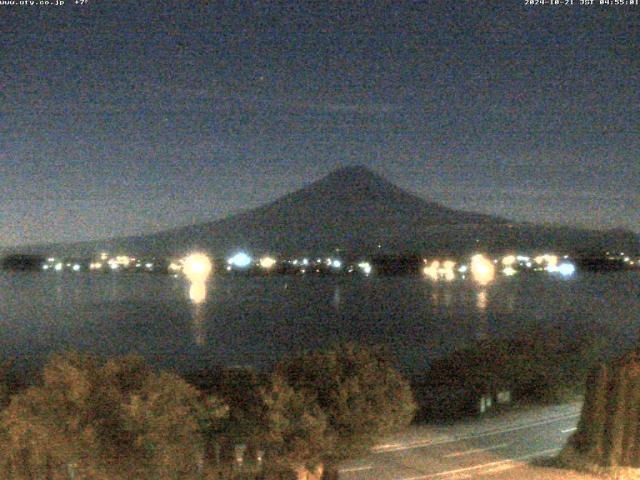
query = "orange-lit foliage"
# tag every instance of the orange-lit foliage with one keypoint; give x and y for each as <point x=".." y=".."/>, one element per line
<point x="363" y="396"/>
<point x="104" y="421"/>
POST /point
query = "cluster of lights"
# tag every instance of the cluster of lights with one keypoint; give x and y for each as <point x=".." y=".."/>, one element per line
<point x="119" y="262"/>
<point x="440" y="271"/>
<point x="545" y="262"/>
<point x="624" y="257"/>
<point x="481" y="268"/>
<point x="365" y="267"/>
<point x="59" y="266"/>
<point x="549" y="262"/>
<point x="244" y="261"/>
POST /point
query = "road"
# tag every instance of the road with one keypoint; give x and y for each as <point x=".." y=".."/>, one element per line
<point x="495" y="448"/>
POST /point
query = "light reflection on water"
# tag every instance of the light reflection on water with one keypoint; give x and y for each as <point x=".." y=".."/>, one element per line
<point x="483" y="323"/>
<point x="245" y="320"/>
<point x="198" y="295"/>
<point x="337" y="297"/>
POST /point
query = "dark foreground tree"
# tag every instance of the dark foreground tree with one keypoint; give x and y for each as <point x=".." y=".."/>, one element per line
<point x="608" y="433"/>
<point x="362" y="395"/>
<point x="104" y="421"/>
<point x="4" y="387"/>
<point x="295" y="430"/>
<point x="21" y="262"/>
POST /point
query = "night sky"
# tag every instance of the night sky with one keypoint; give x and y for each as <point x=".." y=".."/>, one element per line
<point x="126" y="117"/>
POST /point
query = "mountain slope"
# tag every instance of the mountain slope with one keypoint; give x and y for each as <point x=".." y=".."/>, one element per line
<point x="357" y="211"/>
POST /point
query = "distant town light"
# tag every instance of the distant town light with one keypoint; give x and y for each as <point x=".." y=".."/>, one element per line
<point x="566" y="269"/>
<point x="336" y="264"/>
<point x="123" y="260"/>
<point x="45" y="267"/>
<point x="438" y="271"/>
<point x="197" y="267"/>
<point x="267" y="262"/>
<point x="365" y="267"/>
<point x="76" y="267"/>
<point x="58" y="267"/>
<point x="447" y="270"/>
<point x="482" y="269"/>
<point x="549" y="260"/>
<point x="240" y="259"/>
<point x="431" y="271"/>
<point x="508" y="260"/>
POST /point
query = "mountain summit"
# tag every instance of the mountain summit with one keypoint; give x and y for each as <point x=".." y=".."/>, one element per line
<point x="357" y="211"/>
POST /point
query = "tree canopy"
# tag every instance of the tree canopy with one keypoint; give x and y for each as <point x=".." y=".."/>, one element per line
<point x="361" y="393"/>
<point x="108" y="420"/>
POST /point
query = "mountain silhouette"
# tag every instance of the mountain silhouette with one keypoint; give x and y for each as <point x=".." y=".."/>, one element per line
<point x="357" y="212"/>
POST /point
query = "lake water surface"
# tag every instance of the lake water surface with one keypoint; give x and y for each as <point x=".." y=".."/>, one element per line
<point x="257" y="320"/>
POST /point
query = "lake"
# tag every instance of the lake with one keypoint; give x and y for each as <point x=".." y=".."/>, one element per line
<point x="257" y="320"/>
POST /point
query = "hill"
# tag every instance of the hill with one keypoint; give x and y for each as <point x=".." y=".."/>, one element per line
<point x="358" y="212"/>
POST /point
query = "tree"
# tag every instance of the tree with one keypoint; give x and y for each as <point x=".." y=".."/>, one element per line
<point x="165" y="419"/>
<point x="607" y="433"/>
<point x="362" y="395"/>
<point x="104" y="420"/>
<point x="45" y="427"/>
<point x="4" y="387"/>
<point x="294" y="428"/>
<point x="539" y="365"/>
<point x="21" y="262"/>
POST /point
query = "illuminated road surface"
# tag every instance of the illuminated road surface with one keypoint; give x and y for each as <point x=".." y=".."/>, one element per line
<point x="498" y="448"/>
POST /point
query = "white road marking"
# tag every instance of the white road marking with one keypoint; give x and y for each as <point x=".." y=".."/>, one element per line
<point x="425" y="443"/>
<point x="355" y="469"/>
<point x="569" y="430"/>
<point x="500" y="468"/>
<point x="484" y="465"/>
<point x="475" y="450"/>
